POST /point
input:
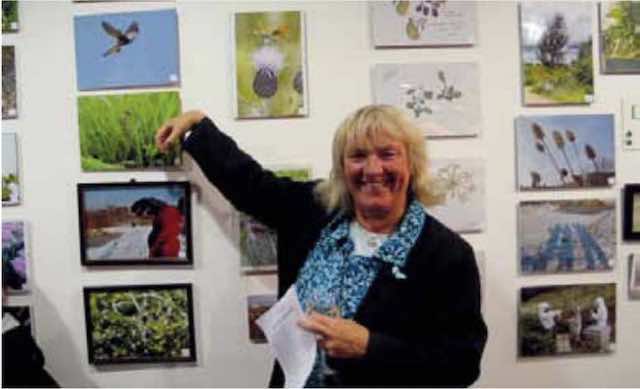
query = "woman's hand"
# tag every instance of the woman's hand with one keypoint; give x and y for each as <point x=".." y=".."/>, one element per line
<point x="341" y="338"/>
<point x="174" y="129"/>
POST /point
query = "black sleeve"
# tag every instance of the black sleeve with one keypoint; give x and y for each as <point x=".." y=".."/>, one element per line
<point x="251" y="189"/>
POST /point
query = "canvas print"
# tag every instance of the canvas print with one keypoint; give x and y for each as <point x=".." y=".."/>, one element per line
<point x="117" y="132"/>
<point x="140" y="323"/>
<point x="442" y="98"/>
<point x="14" y="257"/>
<point x="10" y="177"/>
<point x="620" y="37"/>
<point x="631" y="212"/>
<point x="258" y="243"/>
<point x="270" y="65"/>
<point x="556" y="45"/>
<point x="567" y="236"/>
<point x="424" y="23"/>
<point x="123" y="50"/>
<point x="565" y="151"/>
<point x="9" y="92"/>
<point x="9" y="16"/>
<point x="460" y="182"/>
<point x="634" y="276"/>
<point x="141" y="223"/>
<point x="567" y="319"/>
<point x="257" y="305"/>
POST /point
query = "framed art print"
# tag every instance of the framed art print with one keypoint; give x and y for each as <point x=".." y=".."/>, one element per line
<point x="9" y="91"/>
<point x="10" y="176"/>
<point x="258" y="304"/>
<point x="442" y="98"/>
<point x="270" y="79"/>
<point x="634" y="276"/>
<point x="126" y="50"/>
<point x="565" y="151"/>
<point x="140" y="324"/>
<point x="631" y="213"/>
<point x="137" y="223"/>
<point x="620" y="37"/>
<point x="10" y="16"/>
<point x="15" y="260"/>
<point x="556" y="45"/>
<point x="442" y="23"/>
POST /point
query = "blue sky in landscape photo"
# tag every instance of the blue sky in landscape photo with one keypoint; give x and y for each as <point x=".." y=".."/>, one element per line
<point x="9" y="157"/>
<point x="150" y="59"/>
<point x="123" y="196"/>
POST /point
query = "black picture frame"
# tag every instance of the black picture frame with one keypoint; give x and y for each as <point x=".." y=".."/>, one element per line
<point x="110" y="216"/>
<point x="139" y="351"/>
<point x="631" y="200"/>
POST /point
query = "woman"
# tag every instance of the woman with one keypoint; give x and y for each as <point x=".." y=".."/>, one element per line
<point x="406" y="288"/>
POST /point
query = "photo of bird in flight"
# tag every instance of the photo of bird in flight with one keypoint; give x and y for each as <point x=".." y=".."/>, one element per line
<point x="122" y="39"/>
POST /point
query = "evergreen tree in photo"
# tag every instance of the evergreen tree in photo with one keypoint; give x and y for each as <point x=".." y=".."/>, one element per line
<point x="551" y="45"/>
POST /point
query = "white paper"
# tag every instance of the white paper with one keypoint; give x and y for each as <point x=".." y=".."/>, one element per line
<point x="292" y="346"/>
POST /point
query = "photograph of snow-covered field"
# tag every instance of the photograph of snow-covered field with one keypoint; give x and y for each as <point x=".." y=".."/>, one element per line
<point x="566" y="236"/>
<point x="135" y="223"/>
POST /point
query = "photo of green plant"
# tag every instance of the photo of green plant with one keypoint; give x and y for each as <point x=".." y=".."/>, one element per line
<point x="620" y="37"/>
<point x="144" y="323"/>
<point x="567" y="319"/>
<point x="117" y="131"/>
<point x="556" y="46"/>
<point x="10" y="177"/>
<point x="10" y="16"/>
<point x="9" y="93"/>
<point x="270" y="78"/>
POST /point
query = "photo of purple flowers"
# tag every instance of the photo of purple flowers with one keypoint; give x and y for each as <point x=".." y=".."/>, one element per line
<point x="14" y="258"/>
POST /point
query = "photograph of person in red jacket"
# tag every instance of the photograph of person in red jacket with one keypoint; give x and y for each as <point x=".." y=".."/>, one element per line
<point x="168" y="222"/>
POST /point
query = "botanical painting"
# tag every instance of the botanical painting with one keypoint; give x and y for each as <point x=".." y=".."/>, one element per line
<point x="142" y="323"/>
<point x="132" y="49"/>
<point x="137" y="223"/>
<point x="461" y="184"/>
<point x="14" y="256"/>
<point x="556" y="45"/>
<point x="270" y="74"/>
<point x="634" y="276"/>
<point x="620" y="37"/>
<point x="257" y="305"/>
<point x="10" y="178"/>
<point x="9" y="16"/>
<point x="442" y="98"/>
<point x="424" y="23"/>
<point x="258" y="243"/>
<point x="117" y="132"/>
<point x="565" y="236"/>
<point x="9" y="93"/>
<point x="567" y="319"/>
<point x="565" y="151"/>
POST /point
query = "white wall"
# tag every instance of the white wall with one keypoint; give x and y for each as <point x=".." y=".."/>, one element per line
<point x="340" y="56"/>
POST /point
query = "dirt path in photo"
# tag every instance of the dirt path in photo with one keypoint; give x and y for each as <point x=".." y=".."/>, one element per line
<point x="531" y="98"/>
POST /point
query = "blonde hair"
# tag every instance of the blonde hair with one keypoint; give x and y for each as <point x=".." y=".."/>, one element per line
<point x="366" y="124"/>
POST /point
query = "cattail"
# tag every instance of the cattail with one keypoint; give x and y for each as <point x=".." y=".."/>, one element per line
<point x="591" y="154"/>
<point x="535" y="179"/>
<point x="538" y="133"/>
<point x="559" y="140"/>
<point x="540" y="147"/>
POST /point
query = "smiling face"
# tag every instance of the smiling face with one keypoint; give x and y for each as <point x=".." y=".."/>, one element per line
<point x="377" y="176"/>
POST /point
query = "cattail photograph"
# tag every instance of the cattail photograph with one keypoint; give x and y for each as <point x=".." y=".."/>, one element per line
<point x="270" y="65"/>
<point x="565" y="152"/>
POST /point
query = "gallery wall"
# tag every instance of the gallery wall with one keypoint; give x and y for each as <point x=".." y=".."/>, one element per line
<point x="340" y="59"/>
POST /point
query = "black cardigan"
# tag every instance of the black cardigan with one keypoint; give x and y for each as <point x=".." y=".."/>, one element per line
<point x="425" y="330"/>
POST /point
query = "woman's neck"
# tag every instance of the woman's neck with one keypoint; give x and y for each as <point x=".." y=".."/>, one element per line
<point x="378" y="222"/>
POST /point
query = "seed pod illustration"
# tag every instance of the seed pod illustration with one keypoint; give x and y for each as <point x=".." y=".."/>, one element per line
<point x="297" y="82"/>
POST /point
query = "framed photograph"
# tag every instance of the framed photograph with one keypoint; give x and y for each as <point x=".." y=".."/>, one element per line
<point x="9" y="17"/>
<point x="126" y="50"/>
<point x="117" y="132"/>
<point x="556" y="45"/>
<point x="10" y="176"/>
<point x="138" y="223"/>
<point x="257" y="305"/>
<point x="619" y="37"/>
<point x="442" y="98"/>
<point x="270" y="65"/>
<point x="634" y="276"/>
<point x="15" y="263"/>
<point x="461" y="182"/>
<point x="565" y="151"/>
<point x="567" y="319"/>
<point x="423" y="23"/>
<point x="631" y="212"/>
<point x="140" y="324"/>
<point x="9" y="91"/>
<point x="567" y="236"/>
<point x="258" y="243"/>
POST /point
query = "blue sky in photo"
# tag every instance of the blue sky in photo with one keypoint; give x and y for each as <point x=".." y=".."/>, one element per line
<point x="595" y="130"/>
<point x="536" y="16"/>
<point x="124" y="196"/>
<point x="152" y="59"/>
<point x="9" y="157"/>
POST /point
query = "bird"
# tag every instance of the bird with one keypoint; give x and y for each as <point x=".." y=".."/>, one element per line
<point x="122" y="39"/>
